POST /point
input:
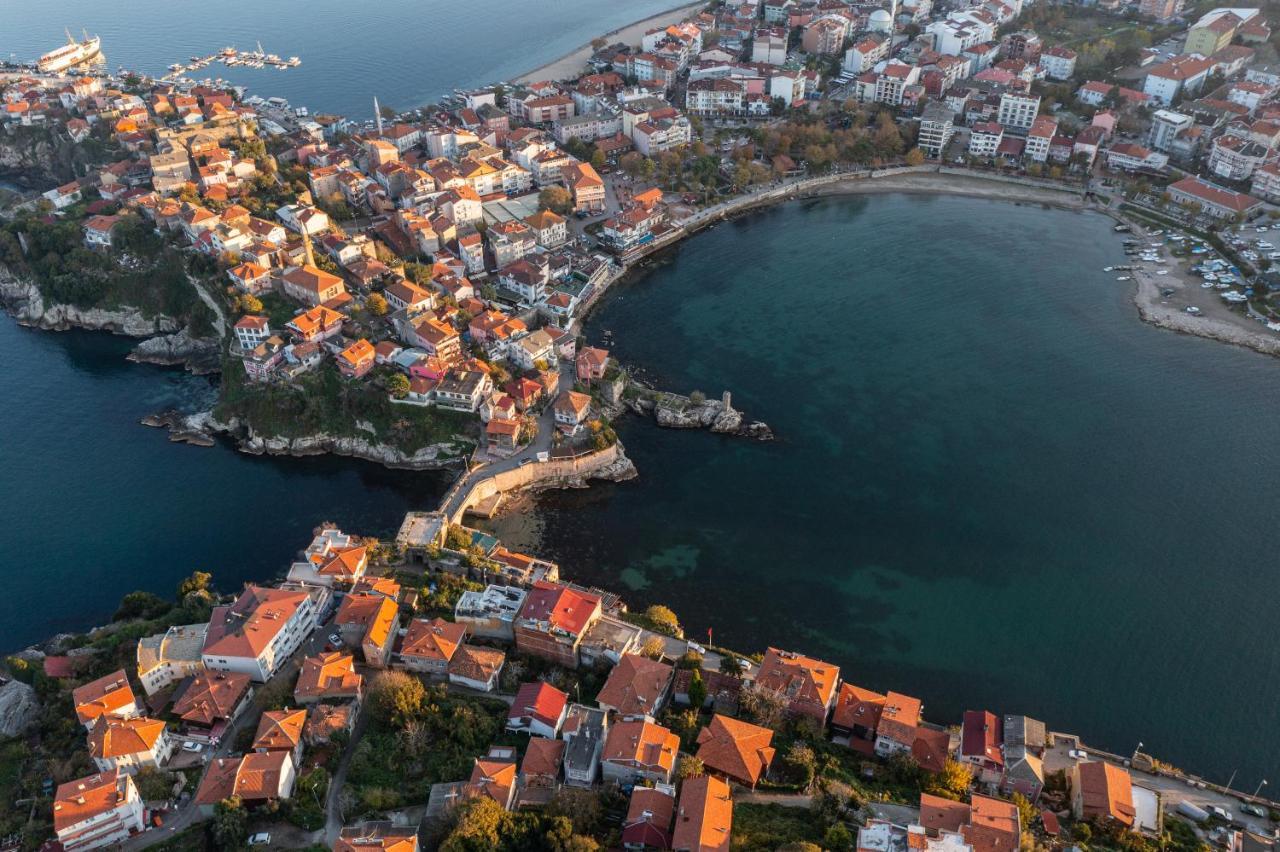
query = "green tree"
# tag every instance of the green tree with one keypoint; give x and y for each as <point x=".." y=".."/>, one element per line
<point x="398" y="385"/>
<point x="140" y="605"/>
<point x="198" y="582"/>
<point x="249" y="304"/>
<point x="838" y="838"/>
<point x="730" y="665"/>
<point x="697" y="690"/>
<point x="230" y="826"/>
<point x="153" y="784"/>
<point x="556" y="199"/>
<point x="477" y="827"/>
<point x="597" y="158"/>
<point x="396" y="697"/>
<point x="802" y="763"/>
<point x="377" y="304"/>
<point x="662" y="619"/>
<point x="915" y="157"/>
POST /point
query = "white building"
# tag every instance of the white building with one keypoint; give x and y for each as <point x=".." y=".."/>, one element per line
<point x="128" y="745"/>
<point x="170" y="656"/>
<point x="937" y="126"/>
<point x="1018" y="112"/>
<point x="1235" y="158"/>
<point x="1059" y="63"/>
<point x="985" y="138"/>
<point x="1165" y="127"/>
<point x="98" y="811"/>
<point x="303" y="219"/>
<point x="259" y="632"/>
<point x="1166" y="81"/>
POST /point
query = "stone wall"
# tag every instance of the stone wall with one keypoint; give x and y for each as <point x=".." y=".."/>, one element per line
<point x="554" y="473"/>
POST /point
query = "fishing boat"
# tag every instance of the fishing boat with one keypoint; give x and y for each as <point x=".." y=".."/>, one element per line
<point x="70" y="54"/>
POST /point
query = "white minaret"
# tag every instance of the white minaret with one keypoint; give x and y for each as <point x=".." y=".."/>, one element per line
<point x="377" y="114"/>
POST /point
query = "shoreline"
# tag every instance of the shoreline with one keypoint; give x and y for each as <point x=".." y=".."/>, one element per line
<point x="572" y="63"/>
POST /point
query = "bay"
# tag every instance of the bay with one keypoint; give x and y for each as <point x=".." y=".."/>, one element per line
<point x="994" y="487"/>
<point x="96" y="505"/>
<point x="405" y="52"/>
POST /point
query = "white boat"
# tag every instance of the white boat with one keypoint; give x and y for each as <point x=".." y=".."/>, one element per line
<point x="1193" y="310"/>
<point x="1233" y="296"/>
<point x="1107" y="268"/>
<point x="70" y="54"/>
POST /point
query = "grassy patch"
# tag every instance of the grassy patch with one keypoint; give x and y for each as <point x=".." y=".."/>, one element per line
<point x="324" y="402"/>
<point x="763" y="828"/>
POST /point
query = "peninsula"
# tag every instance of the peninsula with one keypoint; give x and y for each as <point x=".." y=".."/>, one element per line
<point x="412" y="290"/>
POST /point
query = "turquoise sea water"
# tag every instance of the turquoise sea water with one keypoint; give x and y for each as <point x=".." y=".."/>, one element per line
<point x="993" y="486"/>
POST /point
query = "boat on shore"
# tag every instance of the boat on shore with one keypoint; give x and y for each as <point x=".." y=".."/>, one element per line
<point x="70" y="54"/>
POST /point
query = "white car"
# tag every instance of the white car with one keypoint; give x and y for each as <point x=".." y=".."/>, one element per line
<point x="262" y="838"/>
<point x="1162" y="272"/>
<point x="193" y="747"/>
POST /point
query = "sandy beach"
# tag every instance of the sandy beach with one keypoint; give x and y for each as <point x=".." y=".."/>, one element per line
<point x="948" y="184"/>
<point x="571" y="64"/>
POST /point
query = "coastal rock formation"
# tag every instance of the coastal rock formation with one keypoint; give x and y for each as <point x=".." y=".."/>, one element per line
<point x="197" y="354"/>
<point x="22" y="298"/>
<point x="718" y="415"/>
<point x="201" y="427"/>
<point x="19" y="708"/>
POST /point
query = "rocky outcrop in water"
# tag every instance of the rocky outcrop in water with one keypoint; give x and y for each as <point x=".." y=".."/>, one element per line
<point x="680" y="412"/>
<point x="22" y="299"/>
<point x="19" y="708"/>
<point x="200" y="355"/>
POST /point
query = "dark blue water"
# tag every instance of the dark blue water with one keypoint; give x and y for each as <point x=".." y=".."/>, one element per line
<point x="96" y="505"/>
<point x="406" y="52"/>
<point x="994" y="487"/>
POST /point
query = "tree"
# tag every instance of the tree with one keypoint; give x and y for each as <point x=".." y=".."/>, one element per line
<point x="153" y="784"/>
<point x="730" y="665"/>
<point x="597" y="159"/>
<point x="477" y="828"/>
<point x="662" y="619"/>
<point x="653" y="648"/>
<point x="838" y="838"/>
<point x="763" y="706"/>
<point x="556" y="199"/>
<point x="377" y="304"/>
<point x="398" y="385"/>
<point x="952" y="782"/>
<point x="396" y="697"/>
<point x="689" y="660"/>
<point x="230" y="825"/>
<point x="915" y="157"/>
<point x="581" y="807"/>
<point x="249" y="304"/>
<point x="1026" y="811"/>
<point x="197" y="582"/>
<point x="697" y="690"/>
<point x="689" y="767"/>
<point x="140" y="605"/>
<point x="802" y="763"/>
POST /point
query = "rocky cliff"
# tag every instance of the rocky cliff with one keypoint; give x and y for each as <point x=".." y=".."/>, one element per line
<point x="430" y="457"/>
<point x="19" y="708"/>
<point x="200" y="355"/>
<point x="21" y="298"/>
<point x="680" y="412"/>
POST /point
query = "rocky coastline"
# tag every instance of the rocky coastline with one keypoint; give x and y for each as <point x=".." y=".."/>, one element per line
<point x="674" y="411"/>
<point x="202" y="429"/>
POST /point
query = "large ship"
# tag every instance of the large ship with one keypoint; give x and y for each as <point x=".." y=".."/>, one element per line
<point x="70" y="54"/>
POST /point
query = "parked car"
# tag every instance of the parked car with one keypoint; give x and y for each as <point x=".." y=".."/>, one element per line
<point x="1220" y="812"/>
<point x="335" y="639"/>
<point x="193" y="747"/>
<point x="262" y="838"/>
<point x="1253" y="810"/>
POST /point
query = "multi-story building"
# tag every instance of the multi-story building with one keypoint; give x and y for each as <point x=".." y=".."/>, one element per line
<point x="985" y="138"/>
<point x="553" y="620"/>
<point x="1040" y="138"/>
<point x="1161" y="10"/>
<point x="1234" y="157"/>
<point x="1017" y="111"/>
<point x="98" y="811"/>
<point x="1180" y="75"/>
<point x="1127" y="157"/>
<point x="865" y="54"/>
<point x="259" y="632"/>
<point x="170" y="656"/>
<point x="893" y="81"/>
<point x="826" y="35"/>
<point x="1165" y="127"/>
<point x="716" y="96"/>
<point x="1214" y="31"/>
<point x="1213" y="200"/>
<point x="1266" y="182"/>
<point x="491" y="614"/>
<point x="807" y="685"/>
<point x="1059" y="63"/>
<point x="937" y="126"/>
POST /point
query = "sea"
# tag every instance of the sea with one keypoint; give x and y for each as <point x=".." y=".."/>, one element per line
<point x="993" y="486"/>
<point x="406" y="53"/>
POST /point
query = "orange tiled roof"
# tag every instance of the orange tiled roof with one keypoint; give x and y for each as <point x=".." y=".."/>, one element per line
<point x="280" y="729"/>
<point x="86" y="798"/>
<point x="635" y="685"/>
<point x="105" y="696"/>
<point x="436" y="639"/>
<point x="650" y="746"/>
<point x="211" y="696"/>
<point x="121" y="737"/>
<point x="738" y="749"/>
<point x="328" y="675"/>
<point x="704" y="818"/>
<point x="798" y="677"/>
